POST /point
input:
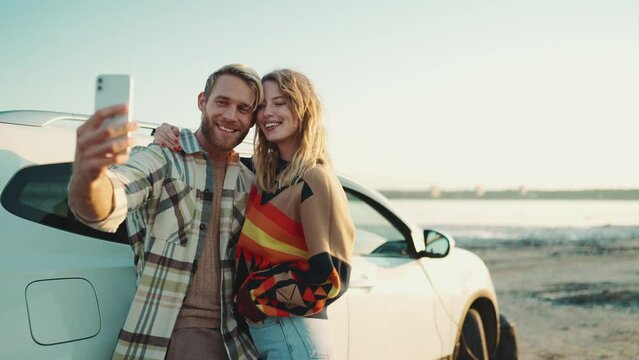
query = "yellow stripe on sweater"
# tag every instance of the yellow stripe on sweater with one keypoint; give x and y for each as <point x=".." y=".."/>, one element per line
<point x="265" y="240"/>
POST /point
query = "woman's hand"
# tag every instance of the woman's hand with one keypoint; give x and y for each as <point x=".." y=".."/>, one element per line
<point x="168" y="136"/>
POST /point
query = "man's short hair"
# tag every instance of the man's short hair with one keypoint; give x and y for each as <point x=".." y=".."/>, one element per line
<point x="250" y="77"/>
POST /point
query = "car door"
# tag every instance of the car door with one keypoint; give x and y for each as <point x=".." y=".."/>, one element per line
<point x="66" y="287"/>
<point x="391" y="305"/>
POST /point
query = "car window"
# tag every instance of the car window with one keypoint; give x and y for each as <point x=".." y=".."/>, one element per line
<point x="39" y="194"/>
<point x="374" y="233"/>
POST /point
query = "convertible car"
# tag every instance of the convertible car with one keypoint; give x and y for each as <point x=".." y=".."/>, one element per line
<point x="67" y="288"/>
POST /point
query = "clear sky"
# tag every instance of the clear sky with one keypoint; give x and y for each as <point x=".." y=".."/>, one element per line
<point x="541" y="93"/>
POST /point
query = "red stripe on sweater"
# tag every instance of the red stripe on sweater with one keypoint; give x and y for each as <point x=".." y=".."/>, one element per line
<point x="271" y="228"/>
<point x="276" y="215"/>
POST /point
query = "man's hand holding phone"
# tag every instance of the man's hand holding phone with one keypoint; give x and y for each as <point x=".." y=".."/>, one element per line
<point x="99" y="146"/>
<point x="102" y="141"/>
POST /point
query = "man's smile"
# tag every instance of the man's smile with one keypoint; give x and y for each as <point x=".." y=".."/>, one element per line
<point x="226" y="129"/>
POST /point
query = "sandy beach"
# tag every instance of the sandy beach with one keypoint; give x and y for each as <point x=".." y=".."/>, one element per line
<point x="572" y="300"/>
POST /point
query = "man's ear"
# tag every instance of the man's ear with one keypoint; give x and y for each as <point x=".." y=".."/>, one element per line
<point x="201" y="101"/>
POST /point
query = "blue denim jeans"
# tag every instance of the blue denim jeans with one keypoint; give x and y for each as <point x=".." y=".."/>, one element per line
<point x="293" y="338"/>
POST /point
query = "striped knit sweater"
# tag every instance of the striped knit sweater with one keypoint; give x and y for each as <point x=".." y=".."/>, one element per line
<point x="295" y="248"/>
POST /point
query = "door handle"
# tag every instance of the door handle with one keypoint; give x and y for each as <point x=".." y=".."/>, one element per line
<point x="362" y="282"/>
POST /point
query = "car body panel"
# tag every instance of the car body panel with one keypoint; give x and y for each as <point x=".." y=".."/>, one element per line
<point x="387" y="293"/>
<point x="43" y="253"/>
<point x="471" y="276"/>
<point x="453" y="287"/>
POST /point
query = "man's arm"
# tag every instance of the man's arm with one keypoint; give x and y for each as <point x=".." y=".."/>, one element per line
<point x="97" y="148"/>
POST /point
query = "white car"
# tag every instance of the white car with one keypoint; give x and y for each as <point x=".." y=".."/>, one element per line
<point x="66" y="288"/>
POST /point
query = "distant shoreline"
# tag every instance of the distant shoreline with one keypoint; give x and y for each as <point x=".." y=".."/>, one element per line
<point x="513" y="195"/>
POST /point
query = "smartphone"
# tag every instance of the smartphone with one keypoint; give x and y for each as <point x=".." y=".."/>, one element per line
<point x="113" y="90"/>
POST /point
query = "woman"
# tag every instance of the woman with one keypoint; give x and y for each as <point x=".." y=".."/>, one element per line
<point x="294" y="251"/>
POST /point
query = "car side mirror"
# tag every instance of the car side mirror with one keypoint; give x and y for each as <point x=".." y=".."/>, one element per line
<point x="438" y="244"/>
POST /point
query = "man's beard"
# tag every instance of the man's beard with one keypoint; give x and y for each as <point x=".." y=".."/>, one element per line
<point x="226" y="143"/>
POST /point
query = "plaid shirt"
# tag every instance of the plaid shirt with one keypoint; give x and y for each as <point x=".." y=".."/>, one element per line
<point x="166" y="201"/>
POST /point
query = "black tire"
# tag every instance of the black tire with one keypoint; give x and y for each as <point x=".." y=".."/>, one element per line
<point x="472" y="342"/>
<point x="507" y="349"/>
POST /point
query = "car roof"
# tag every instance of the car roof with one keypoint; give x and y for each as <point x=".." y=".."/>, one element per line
<point x="65" y="120"/>
<point x="41" y="118"/>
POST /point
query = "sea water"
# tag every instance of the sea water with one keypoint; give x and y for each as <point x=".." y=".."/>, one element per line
<point x="524" y="222"/>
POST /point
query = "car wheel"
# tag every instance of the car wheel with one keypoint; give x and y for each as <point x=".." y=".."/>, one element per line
<point x="472" y="344"/>
<point x="507" y="349"/>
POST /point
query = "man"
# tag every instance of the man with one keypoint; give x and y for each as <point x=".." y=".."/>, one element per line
<point x="182" y="211"/>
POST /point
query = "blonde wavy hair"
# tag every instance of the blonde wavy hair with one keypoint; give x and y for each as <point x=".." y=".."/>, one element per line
<point x="307" y="112"/>
<point x="247" y="74"/>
